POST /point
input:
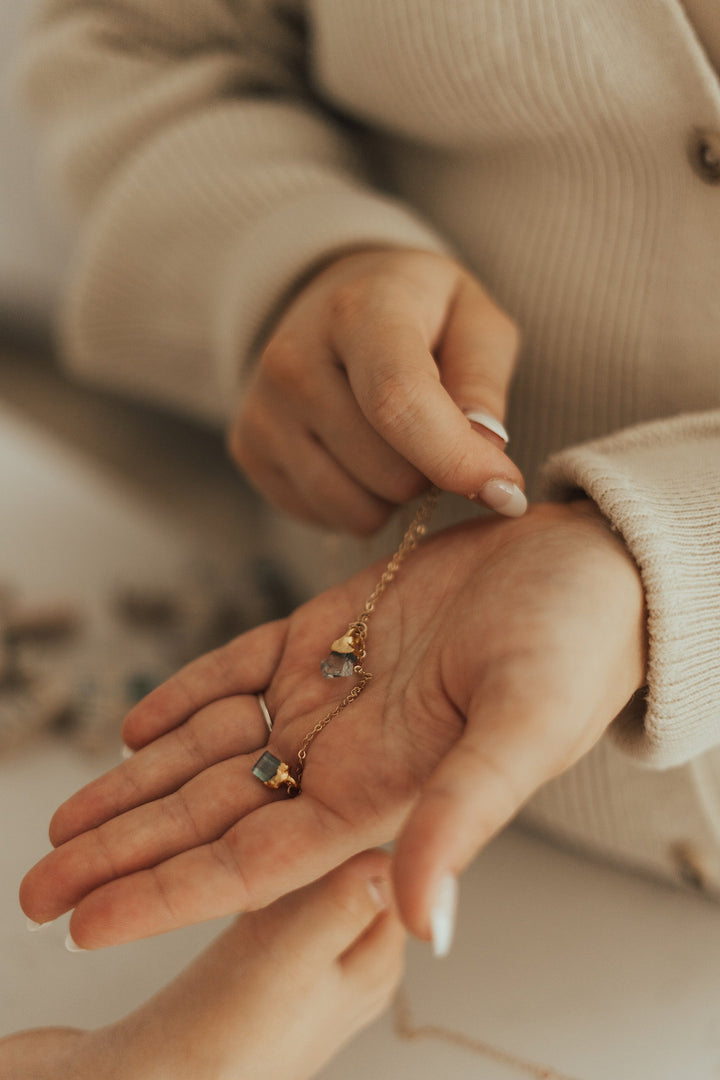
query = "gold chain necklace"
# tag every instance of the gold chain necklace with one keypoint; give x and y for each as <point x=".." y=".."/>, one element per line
<point x="406" y="1028"/>
<point x="347" y="656"/>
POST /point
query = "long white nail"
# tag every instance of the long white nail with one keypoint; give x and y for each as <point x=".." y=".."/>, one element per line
<point x="71" y="945"/>
<point x="487" y="421"/>
<point x="442" y="915"/>
<point x="127" y="752"/>
<point x="33" y="926"/>
<point x="504" y="497"/>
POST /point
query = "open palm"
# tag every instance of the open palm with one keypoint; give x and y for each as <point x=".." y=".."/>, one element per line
<point x="501" y="653"/>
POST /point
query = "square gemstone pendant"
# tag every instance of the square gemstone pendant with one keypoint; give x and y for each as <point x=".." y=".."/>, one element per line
<point x="266" y="767"/>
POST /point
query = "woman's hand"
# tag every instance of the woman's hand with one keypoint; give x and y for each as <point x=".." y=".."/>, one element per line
<point x="359" y="396"/>
<point x="501" y="652"/>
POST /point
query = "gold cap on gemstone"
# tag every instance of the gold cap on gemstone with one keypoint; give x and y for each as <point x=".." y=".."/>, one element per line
<point x="346" y="644"/>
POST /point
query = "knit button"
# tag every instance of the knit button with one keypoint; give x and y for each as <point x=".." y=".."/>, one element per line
<point x="705" y="155"/>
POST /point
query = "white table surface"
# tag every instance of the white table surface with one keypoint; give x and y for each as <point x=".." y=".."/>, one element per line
<point x="564" y="962"/>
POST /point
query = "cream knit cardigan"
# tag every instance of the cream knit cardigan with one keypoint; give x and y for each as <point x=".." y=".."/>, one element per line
<point x="215" y="150"/>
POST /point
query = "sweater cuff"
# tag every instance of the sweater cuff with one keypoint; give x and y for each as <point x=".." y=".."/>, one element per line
<point x="284" y="248"/>
<point x="658" y="485"/>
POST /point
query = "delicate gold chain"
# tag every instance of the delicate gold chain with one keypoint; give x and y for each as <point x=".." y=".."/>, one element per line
<point x="412" y="536"/>
<point x="406" y="1028"/>
<point x="366" y="676"/>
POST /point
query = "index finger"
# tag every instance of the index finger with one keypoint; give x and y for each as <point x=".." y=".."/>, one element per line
<point x="397" y="384"/>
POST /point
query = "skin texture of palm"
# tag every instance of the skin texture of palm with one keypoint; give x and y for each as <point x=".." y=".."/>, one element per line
<point x="501" y="653"/>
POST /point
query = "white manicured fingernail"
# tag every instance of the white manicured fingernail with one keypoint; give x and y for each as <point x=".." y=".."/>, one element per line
<point x="504" y="497"/>
<point x="379" y="889"/>
<point x="442" y="915"/>
<point x="127" y="752"/>
<point x="71" y="945"/>
<point x="487" y="421"/>
<point x="33" y="926"/>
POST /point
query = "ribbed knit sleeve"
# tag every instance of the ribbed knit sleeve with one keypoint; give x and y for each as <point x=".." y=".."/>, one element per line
<point x="659" y="485"/>
<point x="206" y="180"/>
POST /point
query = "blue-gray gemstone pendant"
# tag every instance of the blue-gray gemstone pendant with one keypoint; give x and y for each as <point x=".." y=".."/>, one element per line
<point x="347" y="658"/>
<point x="273" y="772"/>
<point x="345" y="653"/>
<point x="338" y="665"/>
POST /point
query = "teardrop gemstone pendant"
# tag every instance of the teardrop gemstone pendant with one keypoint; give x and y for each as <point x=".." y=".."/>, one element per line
<point x="344" y="655"/>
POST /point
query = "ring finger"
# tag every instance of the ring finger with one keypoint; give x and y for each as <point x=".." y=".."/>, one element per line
<point x="221" y="730"/>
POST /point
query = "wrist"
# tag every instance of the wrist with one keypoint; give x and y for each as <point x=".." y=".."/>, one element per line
<point x="620" y="557"/>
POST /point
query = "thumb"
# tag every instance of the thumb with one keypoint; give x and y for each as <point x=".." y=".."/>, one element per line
<point x="477" y="359"/>
<point x="477" y="788"/>
<point x="409" y="398"/>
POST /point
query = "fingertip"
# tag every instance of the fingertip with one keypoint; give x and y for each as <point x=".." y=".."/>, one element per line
<point x="36" y="914"/>
<point x="107" y="916"/>
<point x="330" y="917"/>
<point x="134" y="731"/>
<point x="443" y="913"/>
<point x="426" y="865"/>
<point x="413" y="876"/>
<point x="71" y="945"/>
<point x="81" y="812"/>
<point x="375" y="960"/>
<point x="370" y="872"/>
<point x="356" y="893"/>
<point x="473" y="454"/>
<point x="380" y="890"/>
<point x="57" y="831"/>
<point x="503" y="496"/>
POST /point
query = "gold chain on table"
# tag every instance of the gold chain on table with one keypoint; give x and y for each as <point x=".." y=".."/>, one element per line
<point x="412" y="536"/>
<point x="406" y="1028"/>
